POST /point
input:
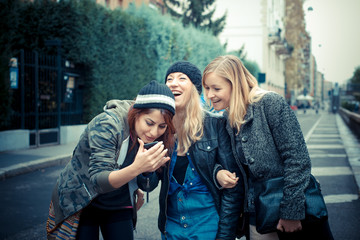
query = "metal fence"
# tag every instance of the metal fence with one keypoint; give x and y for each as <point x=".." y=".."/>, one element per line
<point x="48" y="95"/>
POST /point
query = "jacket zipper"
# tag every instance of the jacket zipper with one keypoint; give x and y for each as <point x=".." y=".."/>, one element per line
<point x="86" y="189"/>
<point x="147" y="189"/>
<point x="166" y="197"/>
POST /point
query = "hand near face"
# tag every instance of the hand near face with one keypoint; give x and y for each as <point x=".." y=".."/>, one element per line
<point x="227" y="179"/>
<point x="150" y="160"/>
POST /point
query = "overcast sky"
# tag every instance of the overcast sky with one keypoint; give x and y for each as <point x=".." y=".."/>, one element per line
<point x="243" y="26"/>
<point x="333" y="25"/>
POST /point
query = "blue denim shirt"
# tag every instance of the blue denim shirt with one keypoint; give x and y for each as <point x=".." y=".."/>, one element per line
<point x="191" y="208"/>
<point x="192" y="183"/>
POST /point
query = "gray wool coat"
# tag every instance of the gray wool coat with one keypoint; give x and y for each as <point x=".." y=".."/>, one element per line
<point x="273" y="146"/>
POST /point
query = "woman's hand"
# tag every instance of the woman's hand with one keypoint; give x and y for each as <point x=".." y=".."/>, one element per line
<point x="145" y="161"/>
<point x="139" y="199"/>
<point x="226" y="179"/>
<point x="289" y="225"/>
<point x="149" y="160"/>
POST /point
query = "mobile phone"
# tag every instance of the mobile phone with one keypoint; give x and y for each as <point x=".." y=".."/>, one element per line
<point x="149" y="145"/>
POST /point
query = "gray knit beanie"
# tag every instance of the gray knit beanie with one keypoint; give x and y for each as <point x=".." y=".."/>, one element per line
<point x="190" y="70"/>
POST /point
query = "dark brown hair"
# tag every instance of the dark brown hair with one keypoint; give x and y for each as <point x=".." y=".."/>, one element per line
<point x="168" y="136"/>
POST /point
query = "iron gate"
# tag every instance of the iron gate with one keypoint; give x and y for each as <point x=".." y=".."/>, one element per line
<point x="48" y="96"/>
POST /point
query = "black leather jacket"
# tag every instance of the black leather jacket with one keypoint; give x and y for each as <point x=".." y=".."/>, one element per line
<point x="213" y="148"/>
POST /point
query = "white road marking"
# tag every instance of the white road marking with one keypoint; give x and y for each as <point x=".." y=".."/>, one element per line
<point x="331" y="171"/>
<point x="329" y="128"/>
<point x="340" y="198"/>
<point x="327" y="146"/>
<point x="323" y="155"/>
<point x="328" y="136"/>
<point x="308" y="135"/>
<point x="326" y="140"/>
<point x="325" y="135"/>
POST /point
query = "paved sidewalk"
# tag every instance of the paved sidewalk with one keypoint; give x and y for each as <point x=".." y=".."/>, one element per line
<point x="13" y="163"/>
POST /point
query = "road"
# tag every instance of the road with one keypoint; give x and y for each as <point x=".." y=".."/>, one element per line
<point x="25" y="198"/>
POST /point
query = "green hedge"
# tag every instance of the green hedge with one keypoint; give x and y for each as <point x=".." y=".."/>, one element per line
<point x="120" y="50"/>
<point x="169" y="41"/>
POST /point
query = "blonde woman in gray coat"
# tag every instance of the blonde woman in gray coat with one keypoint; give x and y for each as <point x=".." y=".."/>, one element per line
<point x="267" y="142"/>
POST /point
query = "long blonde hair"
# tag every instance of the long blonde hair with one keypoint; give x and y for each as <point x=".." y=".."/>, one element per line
<point x="245" y="88"/>
<point x="191" y="128"/>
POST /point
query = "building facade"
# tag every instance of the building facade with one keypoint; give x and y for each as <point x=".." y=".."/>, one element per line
<point x="275" y="49"/>
<point x="287" y="60"/>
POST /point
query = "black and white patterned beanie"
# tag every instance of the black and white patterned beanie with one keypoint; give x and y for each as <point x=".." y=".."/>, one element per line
<point x="155" y="95"/>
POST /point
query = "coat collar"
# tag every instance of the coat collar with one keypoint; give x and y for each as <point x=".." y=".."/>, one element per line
<point x="248" y="117"/>
<point x="249" y="113"/>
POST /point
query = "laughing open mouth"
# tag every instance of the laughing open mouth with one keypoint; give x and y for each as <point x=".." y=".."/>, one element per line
<point x="176" y="93"/>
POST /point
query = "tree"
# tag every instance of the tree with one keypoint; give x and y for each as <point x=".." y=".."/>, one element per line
<point x="240" y="53"/>
<point x="252" y="66"/>
<point x="198" y="13"/>
<point x="356" y="77"/>
<point x="355" y="82"/>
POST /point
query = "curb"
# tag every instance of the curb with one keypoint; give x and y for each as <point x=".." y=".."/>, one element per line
<point x="23" y="168"/>
<point x="352" y="148"/>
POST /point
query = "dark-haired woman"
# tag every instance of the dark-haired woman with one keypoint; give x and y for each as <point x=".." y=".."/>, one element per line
<point x="98" y="187"/>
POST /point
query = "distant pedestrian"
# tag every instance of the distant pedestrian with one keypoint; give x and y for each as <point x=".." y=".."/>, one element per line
<point x="317" y="106"/>
<point x="267" y="142"/>
<point x="98" y="187"/>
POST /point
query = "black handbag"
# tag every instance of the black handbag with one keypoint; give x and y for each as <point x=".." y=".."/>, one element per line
<point x="268" y="194"/>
